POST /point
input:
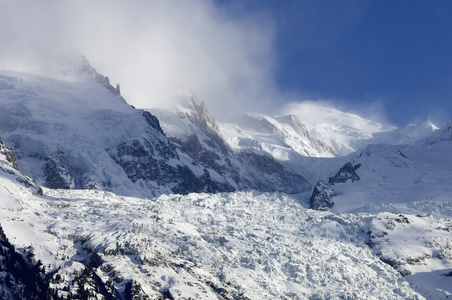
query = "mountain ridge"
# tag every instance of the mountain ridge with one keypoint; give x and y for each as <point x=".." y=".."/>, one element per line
<point x="75" y="133"/>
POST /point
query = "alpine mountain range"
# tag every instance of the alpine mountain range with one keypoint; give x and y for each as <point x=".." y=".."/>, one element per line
<point x="102" y="200"/>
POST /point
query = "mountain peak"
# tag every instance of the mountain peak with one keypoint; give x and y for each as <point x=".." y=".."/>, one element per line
<point x="196" y="111"/>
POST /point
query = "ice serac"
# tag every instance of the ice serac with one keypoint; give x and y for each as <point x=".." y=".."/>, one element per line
<point x="195" y="132"/>
<point x="243" y="245"/>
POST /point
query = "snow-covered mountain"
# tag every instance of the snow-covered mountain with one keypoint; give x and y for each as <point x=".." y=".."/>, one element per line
<point x="194" y="131"/>
<point x="78" y="132"/>
<point x="344" y="132"/>
<point x="275" y="136"/>
<point x="313" y="130"/>
<point x="101" y="200"/>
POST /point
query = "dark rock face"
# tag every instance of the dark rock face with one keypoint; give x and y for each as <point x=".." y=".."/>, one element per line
<point x="210" y="158"/>
<point x="7" y="156"/>
<point x="56" y="175"/>
<point x="269" y="175"/>
<point x="265" y="164"/>
<point x="206" y="147"/>
<point x="322" y="196"/>
<point x="18" y="279"/>
<point x="346" y="173"/>
<point x="146" y="161"/>
<point x="153" y="121"/>
<point x="141" y="163"/>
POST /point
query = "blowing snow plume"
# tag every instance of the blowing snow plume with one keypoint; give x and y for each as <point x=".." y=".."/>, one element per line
<point x="153" y="49"/>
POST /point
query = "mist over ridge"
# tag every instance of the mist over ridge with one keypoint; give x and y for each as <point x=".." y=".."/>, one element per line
<point x="152" y="49"/>
<point x="226" y="56"/>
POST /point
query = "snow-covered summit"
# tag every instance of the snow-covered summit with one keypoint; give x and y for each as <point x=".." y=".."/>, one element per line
<point x="410" y="134"/>
<point x="275" y="135"/>
<point x="305" y="134"/>
<point x="343" y="131"/>
<point x="78" y="132"/>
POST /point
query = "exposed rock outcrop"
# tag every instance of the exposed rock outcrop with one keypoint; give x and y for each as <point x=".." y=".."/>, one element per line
<point x="7" y="157"/>
<point x="18" y="279"/>
<point x="323" y="193"/>
<point x="322" y="196"/>
<point x="346" y="173"/>
<point x="8" y="165"/>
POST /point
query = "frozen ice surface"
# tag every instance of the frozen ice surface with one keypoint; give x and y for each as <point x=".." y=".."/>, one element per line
<point x="261" y="246"/>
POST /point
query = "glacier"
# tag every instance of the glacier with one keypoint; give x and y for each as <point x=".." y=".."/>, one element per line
<point x="248" y="244"/>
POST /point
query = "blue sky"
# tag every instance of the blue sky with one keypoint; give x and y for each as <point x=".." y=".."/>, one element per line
<point x="394" y="53"/>
<point x="390" y="58"/>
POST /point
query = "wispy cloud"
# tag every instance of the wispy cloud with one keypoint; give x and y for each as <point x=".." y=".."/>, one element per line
<point x="151" y="48"/>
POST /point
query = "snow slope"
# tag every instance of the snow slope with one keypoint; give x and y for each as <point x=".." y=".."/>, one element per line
<point x="314" y="130"/>
<point x="276" y="136"/>
<point x="397" y="174"/>
<point x="65" y="125"/>
<point x="344" y="132"/>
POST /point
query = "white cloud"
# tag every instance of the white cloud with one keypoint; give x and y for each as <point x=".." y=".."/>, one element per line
<point x="151" y="48"/>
